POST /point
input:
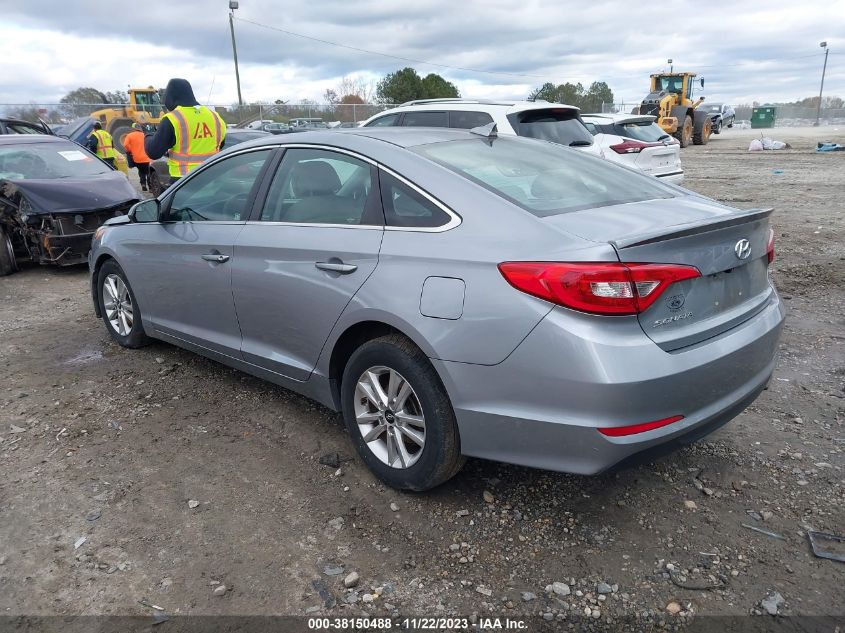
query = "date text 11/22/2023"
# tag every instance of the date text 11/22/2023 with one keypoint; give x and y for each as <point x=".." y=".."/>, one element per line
<point x="416" y="624"/>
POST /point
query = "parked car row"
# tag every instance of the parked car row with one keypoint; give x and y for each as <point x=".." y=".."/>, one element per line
<point x="634" y="141"/>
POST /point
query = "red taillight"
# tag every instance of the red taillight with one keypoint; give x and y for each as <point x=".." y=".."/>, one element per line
<point x="633" y="429"/>
<point x="770" y="246"/>
<point x="633" y="147"/>
<point x="597" y="288"/>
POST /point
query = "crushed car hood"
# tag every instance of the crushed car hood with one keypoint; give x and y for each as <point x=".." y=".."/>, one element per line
<point x="72" y="195"/>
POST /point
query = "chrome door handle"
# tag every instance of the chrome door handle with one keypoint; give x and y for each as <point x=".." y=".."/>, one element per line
<point x="217" y="258"/>
<point x="344" y="269"/>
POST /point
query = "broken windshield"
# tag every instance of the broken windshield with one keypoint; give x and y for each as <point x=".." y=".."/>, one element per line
<point x="48" y="161"/>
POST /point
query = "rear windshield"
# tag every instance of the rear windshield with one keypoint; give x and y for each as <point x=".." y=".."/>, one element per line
<point x="642" y="131"/>
<point x="558" y="125"/>
<point x="48" y="160"/>
<point x="543" y="178"/>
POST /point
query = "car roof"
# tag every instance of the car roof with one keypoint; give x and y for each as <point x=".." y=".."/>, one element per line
<point x="618" y="118"/>
<point x="475" y="105"/>
<point x="19" y="139"/>
<point x="398" y="136"/>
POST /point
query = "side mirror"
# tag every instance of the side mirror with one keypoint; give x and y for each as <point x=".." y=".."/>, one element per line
<point x="145" y="211"/>
<point x="702" y="82"/>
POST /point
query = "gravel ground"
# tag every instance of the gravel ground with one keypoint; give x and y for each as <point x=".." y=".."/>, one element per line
<point x="160" y="477"/>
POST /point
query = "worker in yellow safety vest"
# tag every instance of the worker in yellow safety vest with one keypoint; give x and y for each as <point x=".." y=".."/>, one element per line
<point x="100" y="143"/>
<point x="189" y="133"/>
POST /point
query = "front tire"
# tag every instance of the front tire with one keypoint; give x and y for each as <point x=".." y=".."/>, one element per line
<point x="119" y="307"/>
<point x="684" y="133"/>
<point x="717" y="127"/>
<point x="399" y="415"/>
<point x="8" y="263"/>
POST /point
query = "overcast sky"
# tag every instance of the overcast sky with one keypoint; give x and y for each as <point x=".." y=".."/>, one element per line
<point x="763" y="50"/>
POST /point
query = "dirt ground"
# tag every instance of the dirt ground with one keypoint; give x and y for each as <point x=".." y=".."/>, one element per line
<point x="154" y="476"/>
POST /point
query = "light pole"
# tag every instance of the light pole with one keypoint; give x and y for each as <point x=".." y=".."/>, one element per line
<point x="233" y="4"/>
<point x="821" y="89"/>
<point x="671" y="67"/>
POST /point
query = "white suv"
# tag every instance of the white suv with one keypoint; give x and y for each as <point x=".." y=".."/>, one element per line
<point x="553" y="122"/>
<point x="636" y="141"/>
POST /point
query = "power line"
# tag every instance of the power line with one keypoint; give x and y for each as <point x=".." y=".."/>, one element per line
<point x="489" y="72"/>
<point x="399" y="57"/>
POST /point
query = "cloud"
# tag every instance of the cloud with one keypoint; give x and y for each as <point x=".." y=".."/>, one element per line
<point x="60" y="46"/>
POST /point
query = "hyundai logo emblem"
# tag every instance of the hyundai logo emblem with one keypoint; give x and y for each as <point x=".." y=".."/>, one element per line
<point x="743" y="249"/>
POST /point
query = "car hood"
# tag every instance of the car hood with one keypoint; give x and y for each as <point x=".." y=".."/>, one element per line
<point x="73" y="195"/>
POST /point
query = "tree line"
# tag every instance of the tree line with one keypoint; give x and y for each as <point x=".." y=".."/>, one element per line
<point x="340" y="102"/>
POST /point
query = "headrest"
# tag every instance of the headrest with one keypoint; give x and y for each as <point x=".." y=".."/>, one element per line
<point x="314" y="178"/>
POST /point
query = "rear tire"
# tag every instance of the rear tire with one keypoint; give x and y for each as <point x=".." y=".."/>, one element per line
<point x="119" y="307"/>
<point x="8" y="263"/>
<point x="684" y="132"/>
<point x="731" y="124"/>
<point x="413" y="467"/>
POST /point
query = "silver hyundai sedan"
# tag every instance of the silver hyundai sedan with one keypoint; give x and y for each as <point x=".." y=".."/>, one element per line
<point x="456" y="294"/>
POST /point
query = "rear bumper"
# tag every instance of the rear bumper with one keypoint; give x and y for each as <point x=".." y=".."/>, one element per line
<point x="542" y="406"/>
<point x="675" y="177"/>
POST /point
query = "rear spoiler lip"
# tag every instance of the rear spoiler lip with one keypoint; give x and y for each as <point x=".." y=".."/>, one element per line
<point x="691" y="229"/>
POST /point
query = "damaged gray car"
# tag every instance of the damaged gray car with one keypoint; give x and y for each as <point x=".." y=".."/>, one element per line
<point x="53" y="195"/>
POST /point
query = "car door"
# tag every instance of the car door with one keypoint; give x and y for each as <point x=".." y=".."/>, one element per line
<point x="308" y="250"/>
<point x="182" y="266"/>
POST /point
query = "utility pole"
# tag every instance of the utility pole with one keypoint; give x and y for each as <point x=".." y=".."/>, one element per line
<point x="821" y="90"/>
<point x="233" y="4"/>
<point x="671" y="67"/>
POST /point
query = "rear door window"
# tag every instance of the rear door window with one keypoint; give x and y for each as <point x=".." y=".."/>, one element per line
<point x="426" y="119"/>
<point x="406" y="207"/>
<point x="468" y="120"/>
<point x="557" y="125"/>
<point x="384" y="121"/>
<point x="591" y="127"/>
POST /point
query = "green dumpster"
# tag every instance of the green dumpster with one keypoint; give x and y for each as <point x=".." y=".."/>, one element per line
<point x="763" y="116"/>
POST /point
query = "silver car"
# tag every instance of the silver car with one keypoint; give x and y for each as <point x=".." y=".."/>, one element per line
<point x="456" y="294"/>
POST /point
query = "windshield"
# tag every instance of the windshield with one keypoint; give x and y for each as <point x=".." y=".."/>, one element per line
<point x="48" y="161"/>
<point x="713" y="107"/>
<point x="558" y="125"/>
<point x="149" y="102"/>
<point x="641" y="130"/>
<point x="671" y="83"/>
<point x="543" y="178"/>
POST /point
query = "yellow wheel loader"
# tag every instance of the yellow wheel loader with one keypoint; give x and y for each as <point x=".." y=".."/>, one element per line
<point x="670" y="100"/>
<point x="144" y="107"/>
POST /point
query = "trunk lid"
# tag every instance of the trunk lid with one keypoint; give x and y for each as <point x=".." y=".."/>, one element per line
<point x="692" y="231"/>
<point x="660" y="159"/>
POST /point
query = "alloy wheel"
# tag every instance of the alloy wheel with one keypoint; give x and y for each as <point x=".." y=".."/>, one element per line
<point x="390" y="417"/>
<point x="118" y="304"/>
